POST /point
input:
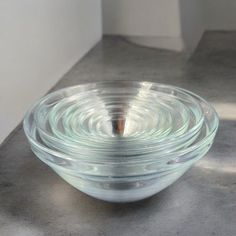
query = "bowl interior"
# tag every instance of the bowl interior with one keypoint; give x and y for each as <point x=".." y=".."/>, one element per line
<point x="129" y="112"/>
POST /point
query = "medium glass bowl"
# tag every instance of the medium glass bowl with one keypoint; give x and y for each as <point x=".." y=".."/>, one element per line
<point x="121" y="141"/>
<point x="169" y="112"/>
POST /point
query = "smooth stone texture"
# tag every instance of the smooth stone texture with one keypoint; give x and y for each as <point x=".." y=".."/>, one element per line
<point x="35" y="201"/>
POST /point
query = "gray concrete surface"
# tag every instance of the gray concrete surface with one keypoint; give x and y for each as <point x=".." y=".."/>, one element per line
<point x="35" y="201"/>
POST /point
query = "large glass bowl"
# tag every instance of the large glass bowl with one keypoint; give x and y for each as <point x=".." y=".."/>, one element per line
<point x="121" y="141"/>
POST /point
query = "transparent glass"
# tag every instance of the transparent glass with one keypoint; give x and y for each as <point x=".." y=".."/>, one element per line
<point x="121" y="140"/>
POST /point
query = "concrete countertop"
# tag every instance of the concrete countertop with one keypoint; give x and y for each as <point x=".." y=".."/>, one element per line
<point x="35" y="201"/>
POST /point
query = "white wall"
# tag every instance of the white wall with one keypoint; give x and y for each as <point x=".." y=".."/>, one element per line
<point x="192" y="22"/>
<point x="140" y="18"/>
<point x="220" y="14"/>
<point x="151" y="22"/>
<point x="176" y="25"/>
<point x="156" y="23"/>
<point x="39" y="42"/>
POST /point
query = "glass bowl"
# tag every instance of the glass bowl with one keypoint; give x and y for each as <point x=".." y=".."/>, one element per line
<point x="169" y="113"/>
<point x="121" y="141"/>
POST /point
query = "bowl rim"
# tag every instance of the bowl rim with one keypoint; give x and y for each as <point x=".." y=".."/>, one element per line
<point x="64" y="155"/>
<point x="152" y="143"/>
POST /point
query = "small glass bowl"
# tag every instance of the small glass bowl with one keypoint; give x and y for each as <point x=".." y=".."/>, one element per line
<point x="121" y="141"/>
<point x="165" y="123"/>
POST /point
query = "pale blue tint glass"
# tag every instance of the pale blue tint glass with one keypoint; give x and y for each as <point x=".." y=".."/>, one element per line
<point x="120" y="140"/>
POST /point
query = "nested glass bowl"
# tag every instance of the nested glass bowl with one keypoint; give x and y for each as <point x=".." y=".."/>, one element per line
<point x="167" y="116"/>
<point x="121" y="141"/>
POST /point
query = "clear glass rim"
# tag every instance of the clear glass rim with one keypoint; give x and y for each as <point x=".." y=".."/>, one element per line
<point x="83" y="86"/>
